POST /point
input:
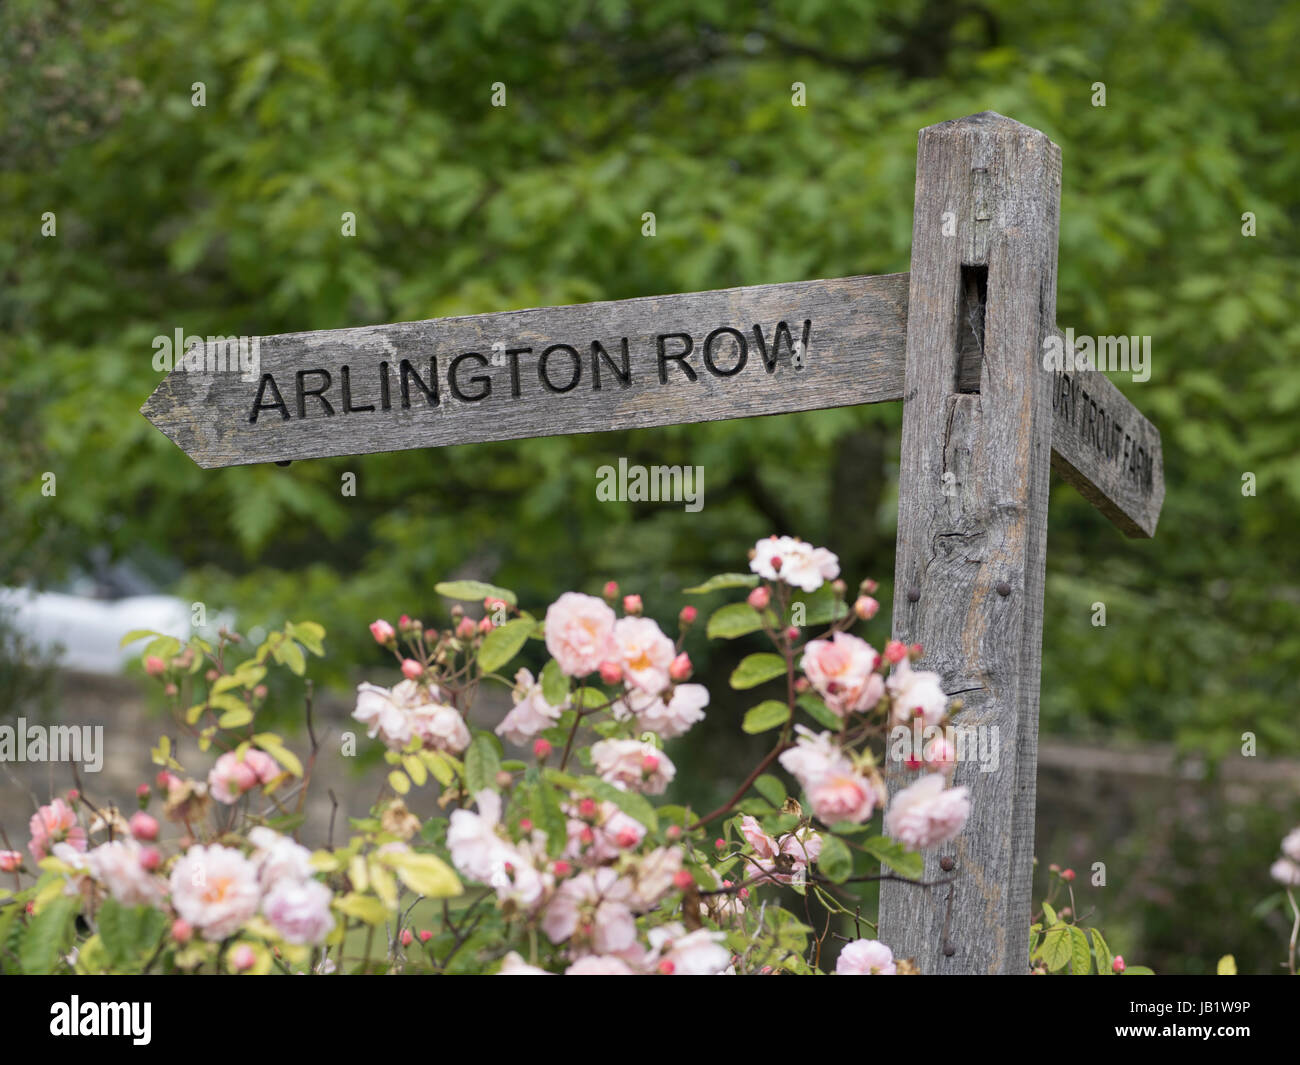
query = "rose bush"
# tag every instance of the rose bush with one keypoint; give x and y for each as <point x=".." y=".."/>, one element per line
<point x="546" y="849"/>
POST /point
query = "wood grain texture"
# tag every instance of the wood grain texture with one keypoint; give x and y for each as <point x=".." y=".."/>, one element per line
<point x="1103" y="446"/>
<point x="973" y="491"/>
<point x="855" y="328"/>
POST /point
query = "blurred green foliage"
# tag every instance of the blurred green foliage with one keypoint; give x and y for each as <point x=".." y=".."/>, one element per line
<point x="226" y="218"/>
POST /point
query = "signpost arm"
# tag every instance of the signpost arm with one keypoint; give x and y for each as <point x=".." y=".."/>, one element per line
<point x="972" y="518"/>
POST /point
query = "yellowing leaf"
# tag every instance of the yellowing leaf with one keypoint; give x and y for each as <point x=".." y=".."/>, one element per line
<point x="425" y="874"/>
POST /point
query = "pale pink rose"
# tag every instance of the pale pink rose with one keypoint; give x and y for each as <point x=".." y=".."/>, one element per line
<point x="796" y="851"/>
<point x="215" y="889"/>
<point x="812" y="756"/>
<point x="844" y="794"/>
<point x="514" y="965"/>
<point x="644" y="652"/>
<point x="118" y="866"/>
<point x="865" y="957"/>
<point x="10" y="860"/>
<point x="596" y="907"/>
<point x="633" y="765"/>
<point x="675" y="952"/>
<point x="915" y="693"/>
<point x="598" y="840"/>
<point x="476" y="849"/>
<point x="653" y="874"/>
<point x="842" y="669"/>
<point x="1286" y="872"/>
<point x="684" y="708"/>
<point x="278" y="858"/>
<point x="54" y="823"/>
<point x="927" y="813"/>
<point x="531" y="713"/>
<point x="579" y="633"/>
<point x="600" y="965"/>
<point x="940" y="755"/>
<point x="300" y="910"/>
<point x="440" y="728"/>
<point x="802" y="565"/>
<point x="410" y="710"/>
<point x="381" y="631"/>
<point x="1291" y="845"/>
<point x="232" y="776"/>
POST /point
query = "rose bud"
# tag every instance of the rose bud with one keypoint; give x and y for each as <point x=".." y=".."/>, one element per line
<point x="466" y="628"/>
<point x="155" y="666"/>
<point x="587" y="808"/>
<point x="211" y="675"/>
<point x="561" y="867"/>
<point x="411" y="669"/>
<point x="674" y="832"/>
<point x="150" y="859"/>
<point x="759" y="597"/>
<point x="627" y="838"/>
<point x="895" y="651"/>
<point x="839" y="587"/>
<point x="242" y="958"/>
<point x="682" y="880"/>
<point x="868" y="587"/>
<point x="10" y="861"/>
<point x="719" y="843"/>
<point x="1067" y="875"/>
<point x="259" y="691"/>
<point x="181" y="931"/>
<point x="142" y="793"/>
<point x="649" y="763"/>
<point x="73" y="795"/>
<point x="485" y="626"/>
<point x="667" y="966"/>
<point x="425" y="935"/>
<point x="611" y="589"/>
<point x="541" y="748"/>
<point x="525" y="824"/>
<point x="1117" y="964"/>
<point x="504" y="779"/>
<point x="171" y="689"/>
<point x="792" y="633"/>
<point x="381" y="631"/>
<point x="586" y="835"/>
<point x="688" y="615"/>
<point x="802" y="684"/>
<point x="632" y="605"/>
<point x="680" y="668"/>
<point x="404" y="622"/>
<point x="611" y="672"/>
<point x="143" y="827"/>
<point x="406" y="937"/>
<point x="865" y="607"/>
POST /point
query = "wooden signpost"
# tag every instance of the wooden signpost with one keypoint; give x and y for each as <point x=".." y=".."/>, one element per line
<point x="960" y="340"/>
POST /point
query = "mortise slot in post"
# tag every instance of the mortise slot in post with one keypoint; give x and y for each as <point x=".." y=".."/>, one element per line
<point x="970" y="334"/>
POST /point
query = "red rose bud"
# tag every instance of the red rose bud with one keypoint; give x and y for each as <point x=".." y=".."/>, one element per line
<point x="466" y="628"/>
<point x="688" y="615"/>
<point x="776" y="563"/>
<point x="143" y="827"/>
<point x="632" y="605"/>
<point x="142" y="795"/>
<point x="839" y="587"/>
<point x="667" y="967"/>
<point x="611" y="590"/>
<point x="485" y="626"/>
<point x="627" y="838"/>
<point x="381" y="631"/>
<point x="868" y="587"/>
<point x="719" y="843"/>
<point x="682" y="880"/>
<point x="561" y="867"/>
<point x="525" y="824"/>
<point x="155" y="666"/>
<point x="587" y="808"/>
<point x="674" y="832"/>
<point x="611" y="672"/>
<point x="181" y="931"/>
<point x="406" y="937"/>
<point x="150" y="859"/>
<point x="649" y="763"/>
<point x="895" y="651"/>
<point x="1067" y="875"/>
<point x="411" y="669"/>
<point x="404" y="622"/>
<point x="586" y="835"/>
<point x="865" y="607"/>
<point x="1117" y="965"/>
<point x="792" y="633"/>
<point x="425" y="935"/>
<point x="164" y="780"/>
<point x="681" y="667"/>
<point x="759" y="597"/>
<point x="541" y="749"/>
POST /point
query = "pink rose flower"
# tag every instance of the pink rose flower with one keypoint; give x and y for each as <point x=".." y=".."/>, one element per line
<point x="215" y="890"/>
<point x="927" y="813"/>
<point x="579" y="633"/>
<point x="844" y="794"/>
<point x="915" y="693"/>
<point x="54" y="823"/>
<point x="531" y="713"/>
<point x="278" y="857"/>
<point x="300" y="910"/>
<point x="595" y="906"/>
<point x="10" y="860"/>
<point x="600" y="965"/>
<point x="801" y="565"/>
<point x="409" y="710"/>
<point x="644" y="652"/>
<point x="381" y="631"/>
<point x="118" y="866"/>
<point x="1285" y="872"/>
<point x="514" y="965"/>
<point x="232" y="776"/>
<point x="684" y="708"/>
<point x="842" y="669"/>
<point x="675" y="952"/>
<point x="796" y="852"/>
<point x="1291" y="845"/>
<point x="865" y="957"/>
<point x="633" y="765"/>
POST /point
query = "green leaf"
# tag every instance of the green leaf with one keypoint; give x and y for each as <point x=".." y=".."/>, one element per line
<point x="482" y="763"/>
<point x="893" y="854"/>
<point x="770" y="787"/>
<point x="1138" y="970"/>
<point x="309" y="634"/>
<point x="544" y="807"/>
<point x="425" y="874"/>
<point x="732" y="620"/>
<point x="764" y="716"/>
<point x="835" y="862"/>
<point x="724" y="580"/>
<point x="815" y="707"/>
<point x="129" y="934"/>
<point x="163" y="647"/>
<point x="1104" y="957"/>
<point x="503" y="643"/>
<point x="365" y="908"/>
<point x="235" y="718"/>
<point x="274" y="746"/>
<point x="634" y="805"/>
<point x="757" y="669"/>
<point x="1049" y="916"/>
<point x="474" y="591"/>
<point x="47" y="936"/>
<point x="288" y="653"/>
<point x="1080" y="952"/>
<point x="555" y="685"/>
<point x="136" y="634"/>
<point x="1057" y="947"/>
